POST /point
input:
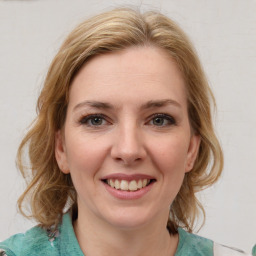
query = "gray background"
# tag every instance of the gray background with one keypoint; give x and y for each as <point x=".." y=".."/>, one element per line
<point x="224" y="33"/>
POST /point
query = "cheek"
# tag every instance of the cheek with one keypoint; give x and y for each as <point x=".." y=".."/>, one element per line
<point x="170" y="153"/>
<point x="85" y="154"/>
<point x="170" y="159"/>
<point x="84" y="160"/>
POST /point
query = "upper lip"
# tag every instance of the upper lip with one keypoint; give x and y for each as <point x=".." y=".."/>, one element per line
<point x="128" y="177"/>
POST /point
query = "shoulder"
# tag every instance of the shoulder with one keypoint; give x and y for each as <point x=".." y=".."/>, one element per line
<point x="221" y="250"/>
<point x="194" y="245"/>
<point x="38" y="241"/>
<point x="34" y="242"/>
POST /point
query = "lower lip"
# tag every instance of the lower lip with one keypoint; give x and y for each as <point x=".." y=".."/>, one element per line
<point x="128" y="195"/>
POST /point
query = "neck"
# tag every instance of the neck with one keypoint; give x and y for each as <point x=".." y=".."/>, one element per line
<point x="97" y="238"/>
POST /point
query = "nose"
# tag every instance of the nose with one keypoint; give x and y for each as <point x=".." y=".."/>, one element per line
<point x="128" y="147"/>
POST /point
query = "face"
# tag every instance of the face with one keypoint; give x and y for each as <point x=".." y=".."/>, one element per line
<point x="127" y="140"/>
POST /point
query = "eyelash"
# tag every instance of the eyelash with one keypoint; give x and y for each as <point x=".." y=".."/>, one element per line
<point x="85" y="119"/>
<point x="89" y="118"/>
<point x="170" y="120"/>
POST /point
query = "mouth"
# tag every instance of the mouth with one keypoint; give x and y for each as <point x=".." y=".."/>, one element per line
<point x="128" y="185"/>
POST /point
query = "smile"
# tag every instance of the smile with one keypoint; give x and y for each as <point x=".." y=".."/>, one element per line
<point x="126" y="185"/>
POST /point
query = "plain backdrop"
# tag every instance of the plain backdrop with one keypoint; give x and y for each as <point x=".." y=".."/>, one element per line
<point x="224" y="34"/>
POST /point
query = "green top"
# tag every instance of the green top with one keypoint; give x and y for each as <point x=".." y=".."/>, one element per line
<point x="38" y="241"/>
<point x="254" y="250"/>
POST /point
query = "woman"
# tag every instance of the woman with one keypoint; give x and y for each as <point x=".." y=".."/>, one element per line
<point x="122" y="142"/>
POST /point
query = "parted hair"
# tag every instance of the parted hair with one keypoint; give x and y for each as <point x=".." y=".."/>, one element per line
<point x="49" y="191"/>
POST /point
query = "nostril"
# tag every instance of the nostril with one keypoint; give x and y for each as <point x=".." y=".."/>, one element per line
<point x="128" y="148"/>
<point x="128" y="159"/>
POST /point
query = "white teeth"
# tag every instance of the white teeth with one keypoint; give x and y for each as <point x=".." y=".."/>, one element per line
<point x="133" y="185"/>
<point x="111" y="183"/>
<point x="117" y="184"/>
<point x="125" y="185"/>
<point x="139" y="185"/>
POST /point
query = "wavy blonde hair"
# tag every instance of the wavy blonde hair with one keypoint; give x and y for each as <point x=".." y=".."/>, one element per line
<point x="48" y="188"/>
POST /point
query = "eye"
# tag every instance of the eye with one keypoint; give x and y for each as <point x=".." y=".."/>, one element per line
<point x="93" y="120"/>
<point x="162" y="120"/>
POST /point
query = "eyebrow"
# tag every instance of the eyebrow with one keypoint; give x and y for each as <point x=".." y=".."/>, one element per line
<point x="94" y="104"/>
<point x="147" y="105"/>
<point x="160" y="103"/>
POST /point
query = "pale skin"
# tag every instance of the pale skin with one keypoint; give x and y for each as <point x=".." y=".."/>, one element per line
<point x="127" y="117"/>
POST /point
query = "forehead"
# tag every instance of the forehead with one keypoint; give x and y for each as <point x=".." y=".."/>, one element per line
<point x="138" y="73"/>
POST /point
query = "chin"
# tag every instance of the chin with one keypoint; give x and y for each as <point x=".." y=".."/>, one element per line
<point x="129" y="224"/>
<point x="129" y="219"/>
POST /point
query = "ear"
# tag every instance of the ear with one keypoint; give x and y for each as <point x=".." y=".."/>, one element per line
<point x="193" y="149"/>
<point x="60" y="152"/>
